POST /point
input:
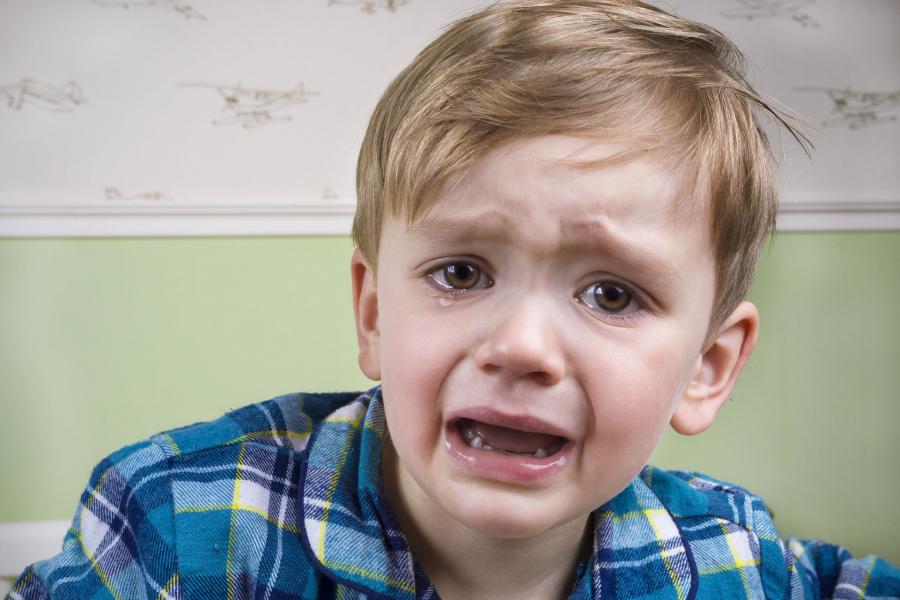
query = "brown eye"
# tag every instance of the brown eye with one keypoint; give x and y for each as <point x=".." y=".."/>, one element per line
<point x="607" y="296"/>
<point x="460" y="277"/>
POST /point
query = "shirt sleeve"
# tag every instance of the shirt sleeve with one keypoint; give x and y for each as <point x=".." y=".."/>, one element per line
<point x="827" y="571"/>
<point x="121" y="543"/>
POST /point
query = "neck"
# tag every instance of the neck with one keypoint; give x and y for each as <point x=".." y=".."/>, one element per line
<point x="463" y="563"/>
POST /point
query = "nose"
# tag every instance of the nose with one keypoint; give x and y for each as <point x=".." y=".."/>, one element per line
<point x="523" y="343"/>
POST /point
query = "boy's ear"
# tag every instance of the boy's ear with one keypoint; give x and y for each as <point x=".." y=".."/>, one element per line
<point x="365" y="309"/>
<point x="717" y="370"/>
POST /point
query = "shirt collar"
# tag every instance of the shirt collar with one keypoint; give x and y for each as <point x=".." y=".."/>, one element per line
<point x="353" y="537"/>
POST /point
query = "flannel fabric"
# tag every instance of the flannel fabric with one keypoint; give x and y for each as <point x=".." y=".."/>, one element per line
<point x="283" y="500"/>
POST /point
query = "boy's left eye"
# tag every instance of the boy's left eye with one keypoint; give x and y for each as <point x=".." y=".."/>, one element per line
<point x="460" y="277"/>
<point x="608" y="297"/>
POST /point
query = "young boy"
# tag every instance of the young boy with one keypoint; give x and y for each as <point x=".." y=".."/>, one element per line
<point x="561" y="203"/>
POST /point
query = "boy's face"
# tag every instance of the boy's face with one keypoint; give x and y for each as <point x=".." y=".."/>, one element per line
<point x="556" y="313"/>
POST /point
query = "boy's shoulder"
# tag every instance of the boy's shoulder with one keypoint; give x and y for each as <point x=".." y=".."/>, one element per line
<point x="285" y="421"/>
<point x="697" y="530"/>
<point x="179" y="512"/>
<point x="730" y="543"/>
<point x="691" y="494"/>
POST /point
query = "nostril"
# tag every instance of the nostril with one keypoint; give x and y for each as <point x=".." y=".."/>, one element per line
<point x="542" y="378"/>
<point x="491" y="368"/>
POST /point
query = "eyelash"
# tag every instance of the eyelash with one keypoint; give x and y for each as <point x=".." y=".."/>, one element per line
<point x="437" y="278"/>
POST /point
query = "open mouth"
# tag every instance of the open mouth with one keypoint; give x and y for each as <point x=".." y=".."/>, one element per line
<point x="505" y="440"/>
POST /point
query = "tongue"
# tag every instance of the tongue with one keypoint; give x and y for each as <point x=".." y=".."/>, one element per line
<point x="512" y="440"/>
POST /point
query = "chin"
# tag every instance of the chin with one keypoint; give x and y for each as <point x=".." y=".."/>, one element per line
<point x="506" y="515"/>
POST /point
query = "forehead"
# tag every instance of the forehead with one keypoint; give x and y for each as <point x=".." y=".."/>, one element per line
<point x="555" y="192"/>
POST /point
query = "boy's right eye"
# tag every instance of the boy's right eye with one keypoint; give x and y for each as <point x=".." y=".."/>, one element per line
<point x="460" y="277"/>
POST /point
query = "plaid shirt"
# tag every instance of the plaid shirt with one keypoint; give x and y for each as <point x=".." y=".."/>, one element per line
<point x="283" y="500"/>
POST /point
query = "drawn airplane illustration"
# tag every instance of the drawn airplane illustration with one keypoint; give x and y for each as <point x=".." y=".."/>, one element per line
<point x="857" y="109"/>
<point x="113" y="194"/>
<point x="369" y="6"/>
<point x="256" y="107"/>
<point x="757" y="9"/>
<point x="56" y="98"/>
<point x="177" y="5"/>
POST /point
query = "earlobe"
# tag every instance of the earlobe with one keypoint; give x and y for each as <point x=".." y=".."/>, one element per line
<point x="717" y="370"/>
<point x="365" y="310"/>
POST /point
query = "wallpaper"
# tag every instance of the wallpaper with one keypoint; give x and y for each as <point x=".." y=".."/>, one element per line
<point x="138" y="106"/>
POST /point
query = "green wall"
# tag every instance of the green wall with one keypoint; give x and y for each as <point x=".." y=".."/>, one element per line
<point x="103" y="342"/>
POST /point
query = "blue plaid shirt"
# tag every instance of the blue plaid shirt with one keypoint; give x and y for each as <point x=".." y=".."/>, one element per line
<point x="283" y="500"/>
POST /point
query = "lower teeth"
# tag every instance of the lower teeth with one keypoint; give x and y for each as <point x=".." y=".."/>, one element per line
<point x="476" y="441"/>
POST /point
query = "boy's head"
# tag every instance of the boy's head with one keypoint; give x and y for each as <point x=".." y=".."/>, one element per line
<point x="614" y="70"/>
<point x="563" y="202"/>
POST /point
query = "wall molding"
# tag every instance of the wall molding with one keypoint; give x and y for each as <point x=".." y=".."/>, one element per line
<point x="23" y="543"/>
<point x="336" y="219"/>
<point x="175" y="221"/>
<point x="883" y="215"/>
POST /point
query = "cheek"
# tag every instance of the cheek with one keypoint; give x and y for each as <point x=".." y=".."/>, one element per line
<point x="415" y="362"/>
<point x="414" y="352"/>
<point x="634" y="393"/>
<point x="421" y="339"/>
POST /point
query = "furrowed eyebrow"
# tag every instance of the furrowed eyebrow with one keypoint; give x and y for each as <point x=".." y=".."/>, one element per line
<point x="488" y="226"/>
<point x="594" y="235"/>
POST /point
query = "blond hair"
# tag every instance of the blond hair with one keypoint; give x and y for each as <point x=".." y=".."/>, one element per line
<point x="619" y="70"/>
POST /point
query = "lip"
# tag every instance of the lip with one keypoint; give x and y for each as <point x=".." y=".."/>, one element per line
<point x="521" y="422"/>
<point x="521" y="469"/>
